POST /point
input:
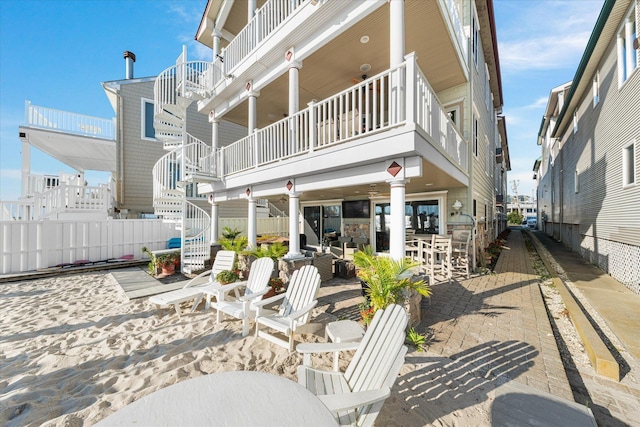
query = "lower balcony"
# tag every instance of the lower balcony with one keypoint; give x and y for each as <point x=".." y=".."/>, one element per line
<point x="394" y="114"/>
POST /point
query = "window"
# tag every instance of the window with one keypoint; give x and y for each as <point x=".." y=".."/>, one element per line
<point x="575" y="181"/>
<point x="148" y="131"/>
<point x="475" y="135"/>
<point x="476" y="40"/>
<point x="628" y="165"/>
<point x="627" y="56"/>
<point x="575" y="122"/>
<point x="487" y="87"/>
<point x="596" y="88"/>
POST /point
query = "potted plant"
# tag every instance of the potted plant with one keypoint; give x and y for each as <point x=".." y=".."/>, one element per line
<point x="277" y="286"/>
<point x="167" y="262"/>
<point x="386" y="280"/>
<point x="227" y="276"/>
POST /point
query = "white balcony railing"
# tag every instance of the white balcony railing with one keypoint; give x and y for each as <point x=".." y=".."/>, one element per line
<point x="455" y="9"/>
<point x="374" y="105"/>
<point x="266" y="19"/>
<point x="65" y="121"/>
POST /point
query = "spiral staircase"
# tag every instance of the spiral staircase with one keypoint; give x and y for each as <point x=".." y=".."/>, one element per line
<point x="188" y="160"/>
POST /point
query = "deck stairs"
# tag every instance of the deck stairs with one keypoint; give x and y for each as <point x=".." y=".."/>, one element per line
<point x="188" y="160"/>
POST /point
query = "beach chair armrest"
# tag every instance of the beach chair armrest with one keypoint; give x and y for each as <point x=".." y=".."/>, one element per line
<point x="304" y="310"/>
<point x="198" y="279"/>
<point x="344" y="401"/>
<point x="328" y="347"/>
<point x="259" y="305"/>
<point x="254" y="295"/>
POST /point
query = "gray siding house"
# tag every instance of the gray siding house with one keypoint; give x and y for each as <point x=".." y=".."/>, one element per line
<point x="588" y="187"/>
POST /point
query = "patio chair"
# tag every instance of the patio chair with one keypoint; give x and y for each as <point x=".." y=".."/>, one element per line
<point x="295" y="308"/>
<point x="460" y="253"/>
<point x="242" y="306"/>
<point x="356" y="396"/>
<point x="194" y="289"/>
<point x="438" y="256"/>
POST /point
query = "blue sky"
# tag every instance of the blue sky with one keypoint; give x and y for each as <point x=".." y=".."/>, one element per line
<point x="56" y="53"/>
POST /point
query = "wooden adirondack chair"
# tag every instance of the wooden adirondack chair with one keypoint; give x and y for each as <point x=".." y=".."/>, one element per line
<point x="243" y="305"/>
<point x="195" y="288"/>
<point x="356" y="396"/>
<point x="295" y="308"/>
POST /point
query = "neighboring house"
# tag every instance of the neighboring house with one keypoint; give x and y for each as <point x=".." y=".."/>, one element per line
<point x="588" y="187"/>
<point x="364" y="117"/>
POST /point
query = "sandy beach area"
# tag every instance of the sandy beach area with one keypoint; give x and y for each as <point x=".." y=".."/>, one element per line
<point x="74" y="350"/>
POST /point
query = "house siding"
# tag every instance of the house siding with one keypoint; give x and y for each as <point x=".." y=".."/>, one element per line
<point x="600" y="219"/>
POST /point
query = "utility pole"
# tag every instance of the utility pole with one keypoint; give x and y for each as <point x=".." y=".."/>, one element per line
<point x="514" y="187"/>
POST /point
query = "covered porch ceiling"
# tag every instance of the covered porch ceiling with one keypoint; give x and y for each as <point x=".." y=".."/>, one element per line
<point x="339" y="63"/>
<point x="79" y="152"/>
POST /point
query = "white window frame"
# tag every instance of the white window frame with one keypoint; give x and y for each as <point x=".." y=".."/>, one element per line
<point x="143" y="118"/>
<point x="575" y="121"/>
<point x="629" y="167"/>
<point x="475" y="135"/>
<point x="627" y="55"/>
<point x="475" y="43"/>
<point x="576" y="176"/>
<point x="596" y="88"/>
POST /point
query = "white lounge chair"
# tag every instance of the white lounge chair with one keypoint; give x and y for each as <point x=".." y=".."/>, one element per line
<point x="242" y="307"/>
<point x="194" y="289"/>
<point x="356" y="396"/>
<point x="295" y="308"/>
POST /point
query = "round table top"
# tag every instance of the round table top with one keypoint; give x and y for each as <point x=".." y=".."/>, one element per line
<point x="235" y="398"/>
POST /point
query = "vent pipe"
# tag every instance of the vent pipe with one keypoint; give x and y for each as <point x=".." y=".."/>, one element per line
<point x="129" y="58"/>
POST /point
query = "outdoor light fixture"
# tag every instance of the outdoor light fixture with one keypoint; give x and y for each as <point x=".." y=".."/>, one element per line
<point x="457" y="206"/>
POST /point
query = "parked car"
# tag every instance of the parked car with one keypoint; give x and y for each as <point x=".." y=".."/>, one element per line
<point x="532" y="222"/>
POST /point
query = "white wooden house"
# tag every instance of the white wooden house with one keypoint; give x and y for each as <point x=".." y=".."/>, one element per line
<point x="363" y="117"/>
<point x="588" y="189"/>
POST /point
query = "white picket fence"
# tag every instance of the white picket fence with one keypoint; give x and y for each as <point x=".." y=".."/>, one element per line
<point x="32" y="245"/>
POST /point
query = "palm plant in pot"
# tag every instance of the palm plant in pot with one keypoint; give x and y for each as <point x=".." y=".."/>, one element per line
<point x="386" y="280"/>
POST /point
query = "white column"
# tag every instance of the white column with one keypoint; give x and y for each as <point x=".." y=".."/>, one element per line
<point x="252" y="223"/>
<point x="26" y="168"/>
<point x="397" y="225"/>
<point x="396" y="33"/>
<point x="396" y="57"/>
<point x="294" y="227"/>
<point x="251" y="9"/>
<point x="217" y="35"/>
<point x="214" y="223"/>
<point x="253" y="111"/>
<point x="294" y="87"/>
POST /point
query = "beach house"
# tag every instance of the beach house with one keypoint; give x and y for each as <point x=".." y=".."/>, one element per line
<point x="588" y="189"/>
<point x="364" y="120"/>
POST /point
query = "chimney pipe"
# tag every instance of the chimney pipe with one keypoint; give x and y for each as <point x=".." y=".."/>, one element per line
<point x="129" y="58"/>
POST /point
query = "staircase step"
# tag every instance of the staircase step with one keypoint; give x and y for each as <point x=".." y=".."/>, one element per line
<point x="176" y="110"/>
<point x="167" y="128"/>
<point x="168" y="118"/>
<point x="183" y="102"/>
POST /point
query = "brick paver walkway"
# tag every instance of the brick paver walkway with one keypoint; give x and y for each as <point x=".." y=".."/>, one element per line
<point x="501" y="320"/>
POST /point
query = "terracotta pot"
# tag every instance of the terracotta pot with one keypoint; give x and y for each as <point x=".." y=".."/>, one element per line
<point x="168" y="269"/>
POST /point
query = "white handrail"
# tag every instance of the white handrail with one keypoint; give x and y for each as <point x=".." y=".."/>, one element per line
<point x="197" y="238"/>
<point x="265" y="21"/>
<point x="66" y="121"/>
<point x="373" y="105"/>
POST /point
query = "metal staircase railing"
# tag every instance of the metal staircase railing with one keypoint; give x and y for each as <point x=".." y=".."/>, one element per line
<point x="189" y="159"/>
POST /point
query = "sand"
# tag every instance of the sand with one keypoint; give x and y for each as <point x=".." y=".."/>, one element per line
<point x="74" y="350"/>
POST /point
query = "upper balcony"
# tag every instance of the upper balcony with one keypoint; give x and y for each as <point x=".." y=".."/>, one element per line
<point x="77" y="140"/>
<point x="336" y="42"/>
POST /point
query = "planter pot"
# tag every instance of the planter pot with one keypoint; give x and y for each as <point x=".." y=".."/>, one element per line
<point x="168" y="269"/>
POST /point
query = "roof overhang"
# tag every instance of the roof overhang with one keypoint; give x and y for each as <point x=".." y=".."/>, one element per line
<point x="77" y="151"/>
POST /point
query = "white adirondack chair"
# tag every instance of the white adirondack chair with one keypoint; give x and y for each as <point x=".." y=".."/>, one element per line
<point x="242" y="307"/>
<point x="295" y="308"/>
<point x="356" y="396"/>
<point x="195" y="288"/>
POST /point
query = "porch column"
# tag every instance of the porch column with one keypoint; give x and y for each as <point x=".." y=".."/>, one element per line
<point x="251" y="9"/>
<point x="396" y="33"/>
<point x="253" y="108"/>
<point x="214" y="223"/>
<point x="252" y="223"/>
<point x="396" y="57"/>
<point x="217" y="35"/>
<point x="294" y="227"/>
<point x="26" y="168"/>
<point x="294" y="87"/>
<point x="397" y="240"/>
